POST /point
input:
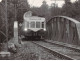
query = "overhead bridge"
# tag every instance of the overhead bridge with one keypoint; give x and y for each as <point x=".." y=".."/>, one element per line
<point x="64" y="29"/>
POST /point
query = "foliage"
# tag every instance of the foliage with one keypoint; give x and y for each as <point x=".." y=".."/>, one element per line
<point x="68" y="9"/>
<point x="72" y="9"/>
<point x="42" y="11"/>
<point x="2" y="23"/>
<point x="10" y="16"/>
<point x="21" y="9"/>
<point x="55" y="11"/>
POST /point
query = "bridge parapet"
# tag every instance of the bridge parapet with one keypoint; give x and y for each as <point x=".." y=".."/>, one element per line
<point x="64" y="29"/>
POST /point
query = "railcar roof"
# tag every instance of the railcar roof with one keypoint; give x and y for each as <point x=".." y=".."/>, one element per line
<point x="34" y="18"/>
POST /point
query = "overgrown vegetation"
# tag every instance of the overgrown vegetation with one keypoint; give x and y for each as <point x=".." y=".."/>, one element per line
<point x="21" y="7"/>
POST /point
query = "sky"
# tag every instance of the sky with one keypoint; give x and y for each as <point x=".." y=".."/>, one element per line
<point x="0" y="0"/>
<point x="38" y="3"/>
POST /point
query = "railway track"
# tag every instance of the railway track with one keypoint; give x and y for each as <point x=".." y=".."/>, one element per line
<point x="64" y="45"/>
<point x="59" y="51"/>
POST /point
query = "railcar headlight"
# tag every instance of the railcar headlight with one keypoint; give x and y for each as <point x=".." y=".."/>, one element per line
<point x="25" y="29"/>
<point x="44" y="29"/>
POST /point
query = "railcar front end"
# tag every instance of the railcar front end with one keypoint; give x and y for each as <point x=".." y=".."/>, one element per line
<point x="34" y="28"/>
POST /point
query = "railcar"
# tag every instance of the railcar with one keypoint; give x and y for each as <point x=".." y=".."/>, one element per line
<point x="33" y="27"/>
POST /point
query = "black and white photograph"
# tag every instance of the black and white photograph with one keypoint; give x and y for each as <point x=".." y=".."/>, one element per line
<point x="39" y="29"/>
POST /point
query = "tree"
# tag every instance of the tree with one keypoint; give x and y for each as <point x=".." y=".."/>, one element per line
<point x="23" y="7"/>
<point x="68" y="9"/>
<point x="44" y="9"/>
<point x="55" y="10"/>
<point x="10" y="16"/>
<point x="2" y="22"/>
<point x="35" y="11"/>
<point x="77" y="10"/>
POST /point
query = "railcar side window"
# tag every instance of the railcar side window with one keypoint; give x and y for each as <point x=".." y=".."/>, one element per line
<point x="42" y="24"/>
<point x="32" y="24"/>
<point x="37" y="24"/>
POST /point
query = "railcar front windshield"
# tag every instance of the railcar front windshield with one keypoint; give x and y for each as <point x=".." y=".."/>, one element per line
<point x="37" y="24"/>
<point x="32" y="24"/>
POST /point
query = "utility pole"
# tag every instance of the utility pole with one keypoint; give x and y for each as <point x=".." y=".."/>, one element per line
<point x="6" y="23"/>
<point x="15" y="2"/>
<point x="15" y="10"/>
